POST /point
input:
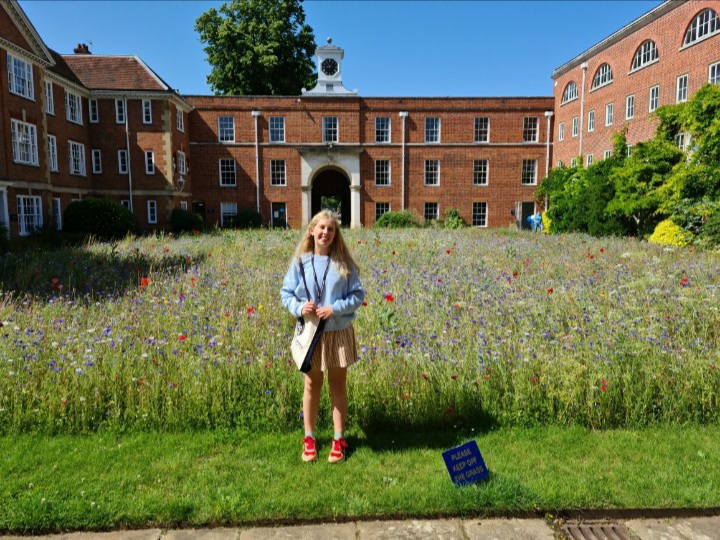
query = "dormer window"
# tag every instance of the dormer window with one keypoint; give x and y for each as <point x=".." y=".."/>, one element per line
<point x="570" y="93"/>
<point x="703" y="25"/>
<point x="603" y="76"/>
<point x="646" y="53"/>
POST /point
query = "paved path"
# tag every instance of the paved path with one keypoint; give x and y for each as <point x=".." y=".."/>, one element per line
<point x="694" y="528"/>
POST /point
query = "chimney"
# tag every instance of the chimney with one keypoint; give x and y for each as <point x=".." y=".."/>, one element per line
<point x="82" y="48"/>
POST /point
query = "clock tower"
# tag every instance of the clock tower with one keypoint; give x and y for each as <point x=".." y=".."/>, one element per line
<point x="329" y="81"/>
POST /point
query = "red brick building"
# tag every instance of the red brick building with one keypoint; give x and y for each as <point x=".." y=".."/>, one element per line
<point x="84" y="125"/>
<point x="661" y="58"/>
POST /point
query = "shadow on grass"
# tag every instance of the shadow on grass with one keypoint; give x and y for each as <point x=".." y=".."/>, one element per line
<point x="75" y="271"/>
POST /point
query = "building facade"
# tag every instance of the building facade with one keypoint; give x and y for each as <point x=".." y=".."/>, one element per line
<point x="85" y="125"/>
<point x="661" y="58"/>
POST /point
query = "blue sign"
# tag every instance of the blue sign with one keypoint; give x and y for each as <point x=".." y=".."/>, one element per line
<point x="465" y="464"/>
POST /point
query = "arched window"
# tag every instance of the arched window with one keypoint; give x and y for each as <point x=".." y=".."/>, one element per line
<point x="570" y="92"/>
<point x="603" y="76"/>
<point x="703" y="24"/>
<point x="646" y="53"/>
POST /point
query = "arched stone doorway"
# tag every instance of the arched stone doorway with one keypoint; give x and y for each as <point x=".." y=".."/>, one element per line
<point x="332" y="182"/>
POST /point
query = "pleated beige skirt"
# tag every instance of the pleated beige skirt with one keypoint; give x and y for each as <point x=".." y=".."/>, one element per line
<point x="335" y="349"/>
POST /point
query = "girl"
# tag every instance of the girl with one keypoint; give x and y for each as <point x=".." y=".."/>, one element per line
<point x="333" y="280"/>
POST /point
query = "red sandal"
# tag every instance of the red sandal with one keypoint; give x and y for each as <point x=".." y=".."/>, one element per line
<point x="338" y="450"/>
<point x="309" y="449"/>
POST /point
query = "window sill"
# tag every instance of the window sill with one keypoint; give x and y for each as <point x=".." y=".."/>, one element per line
<point x="632" y="71"/>
<point x="699" y="40"/>
<point x="22" y="96"/>
<point x="599" y="87"/>
<point x="569" y="101"/>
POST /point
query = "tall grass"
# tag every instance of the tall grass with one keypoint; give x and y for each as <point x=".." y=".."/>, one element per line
<point x="461" y="328"/>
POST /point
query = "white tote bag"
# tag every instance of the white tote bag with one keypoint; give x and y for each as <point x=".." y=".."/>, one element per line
<point x="308" y="329"/>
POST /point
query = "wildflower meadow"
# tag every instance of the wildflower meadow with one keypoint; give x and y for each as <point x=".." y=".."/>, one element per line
<point x="470" y="328"/>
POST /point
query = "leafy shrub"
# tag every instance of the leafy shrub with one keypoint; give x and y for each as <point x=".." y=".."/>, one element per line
<point x="102" y="218"/>
<point x="185" y="221"/>
<point x="669" y="233"/>
<point x="248" y="219"/>
<point x="331" y="203"/>
<point x="711" y="231"/>
<point x="398" y="220"/>
<point x="453" y="219"/>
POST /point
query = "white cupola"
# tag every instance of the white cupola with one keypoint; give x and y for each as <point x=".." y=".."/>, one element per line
<point x="329" y="81"/>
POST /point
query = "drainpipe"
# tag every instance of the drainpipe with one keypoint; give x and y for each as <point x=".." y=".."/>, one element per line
<point x="548" y="115"/>
<point x="256" y="115"/>
<point x="582" y="107"/>
<point x="127" y="150"/>
<point x="403" y="115"/>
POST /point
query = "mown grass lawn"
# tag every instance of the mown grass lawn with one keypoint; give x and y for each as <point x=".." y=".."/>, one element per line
<point x="148" y="382"/>
<point x="104" y="481"/>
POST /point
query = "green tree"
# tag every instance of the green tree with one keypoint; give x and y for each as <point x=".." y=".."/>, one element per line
<point x="258" y="47"/>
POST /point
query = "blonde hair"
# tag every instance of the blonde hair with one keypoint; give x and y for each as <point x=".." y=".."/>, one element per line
<point x="339" y="253"/>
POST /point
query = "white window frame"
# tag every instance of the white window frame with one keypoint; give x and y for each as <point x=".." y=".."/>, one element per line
<point x="123" y="165"/>
<point x="331" y="129"/>
<point x="630" y="107"/>
<point x="126" y="203"/>
<point x="147" y="111"/>
<point x="704" y="24"/>
<point x="628" y="150"/>
<point x="53" y="153"/>
<point x="681" y="94"/>
<point x="183" y="205"/>
<point x="609" y="114"/>
<point x="654" y="101"/>
<point x="570" y="93"/>
<point x="24" y="142"/>
<point x="531" y="129"/>
<point x="28" y="222"/>
<point x="529" y="166"/>
<point x="589" y="160"/>
<point x="276" y="124"/>
<point x="481" y="172"/>
<point x="20" y="77"/>
<point x="73" y="108"/>
<point x="591" y="121"/>
<point x="382" y="173"/>
<point x="575" y="126"/>
<point x="226" y="129"/>
<point x="120" y="112"/>
<point x="382" y="131"/>
<point x="714" y="73"/>
<point x="573" y="161"/>
<point x="682" y="140"/>
<point x="76" y="158"/>
<point x="229" y="210"/>
<point x="603" y="76"/>
<point x="149" y="162"/>
<point x="561" y="131"/>
<point x="96" y="161"/>
<point x="432" y="168"/>
<point x="380" y="209"/>
<point x="432" y="129"/>
<point x="181" y="162"/>
<point x="225" y="173"/>
<point x="57" y="213"/>
<point x="93" y="111"/>
<point x="607" y="154"/>
<point x="278" y="173"/>
<point x="482" y="126"/>
<point x="646" y="54"/>
<point x="479" y="214"/>
<point x="49" y="98"/>
<point x="437" y="211"/>
<point x="152" y="212"/>
<point x="179" y="120"/>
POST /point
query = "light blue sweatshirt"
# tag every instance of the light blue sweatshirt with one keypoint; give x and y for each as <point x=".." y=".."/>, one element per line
<point x="344" y="295"/>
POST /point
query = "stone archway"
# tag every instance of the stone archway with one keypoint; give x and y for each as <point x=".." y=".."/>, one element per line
<point x="332" y="182"/>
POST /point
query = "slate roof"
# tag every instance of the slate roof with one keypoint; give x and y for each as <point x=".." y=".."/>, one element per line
<point x="101" y="72"/>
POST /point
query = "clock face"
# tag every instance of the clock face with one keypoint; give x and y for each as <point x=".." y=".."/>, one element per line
<point x="329" y="66"/>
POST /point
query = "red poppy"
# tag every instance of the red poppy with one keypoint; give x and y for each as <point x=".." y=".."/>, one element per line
<point x="550" y="290"/>
<point x="167" y="250"/>
<point x="515" y="274"/>
<point x="453" y="376"/>
<point x="227" y="314"/>
<point x="439" y="280"/>
<point x="144" y="282"/>
<point x="603" y="385"/>
<point x="251" y="310"/>
<point x="389" y="298"/>
<point x="449" y="251"/>
<point x="393" y="253"/>
<point x="364" y="303"/>
<point x="602" y="250"/>
<point x="424" y="376"/>
<point x="269" y="364"/>
<point x="684" y="281"/>
<point x="182" y="337"/>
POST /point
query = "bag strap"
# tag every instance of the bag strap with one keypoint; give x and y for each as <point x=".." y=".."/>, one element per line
<point x="302" y="273"/>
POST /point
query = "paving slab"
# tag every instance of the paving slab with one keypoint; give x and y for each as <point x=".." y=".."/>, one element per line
<point x="503" y="529"/>
<point x="441" y="529"/>
<point x="201" y="534"/>
<point x="706" y="528"/>
<point x="325" y="531"/>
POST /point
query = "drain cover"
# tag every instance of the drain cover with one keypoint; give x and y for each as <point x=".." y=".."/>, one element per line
<point x="596" y="531"/>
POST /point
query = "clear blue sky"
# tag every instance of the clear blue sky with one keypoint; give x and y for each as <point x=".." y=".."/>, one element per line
<point x="392" y="48"/>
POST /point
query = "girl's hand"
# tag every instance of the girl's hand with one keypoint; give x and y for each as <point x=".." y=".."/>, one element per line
<point x="324" y="312"/>
<point x="309" y="307"/>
